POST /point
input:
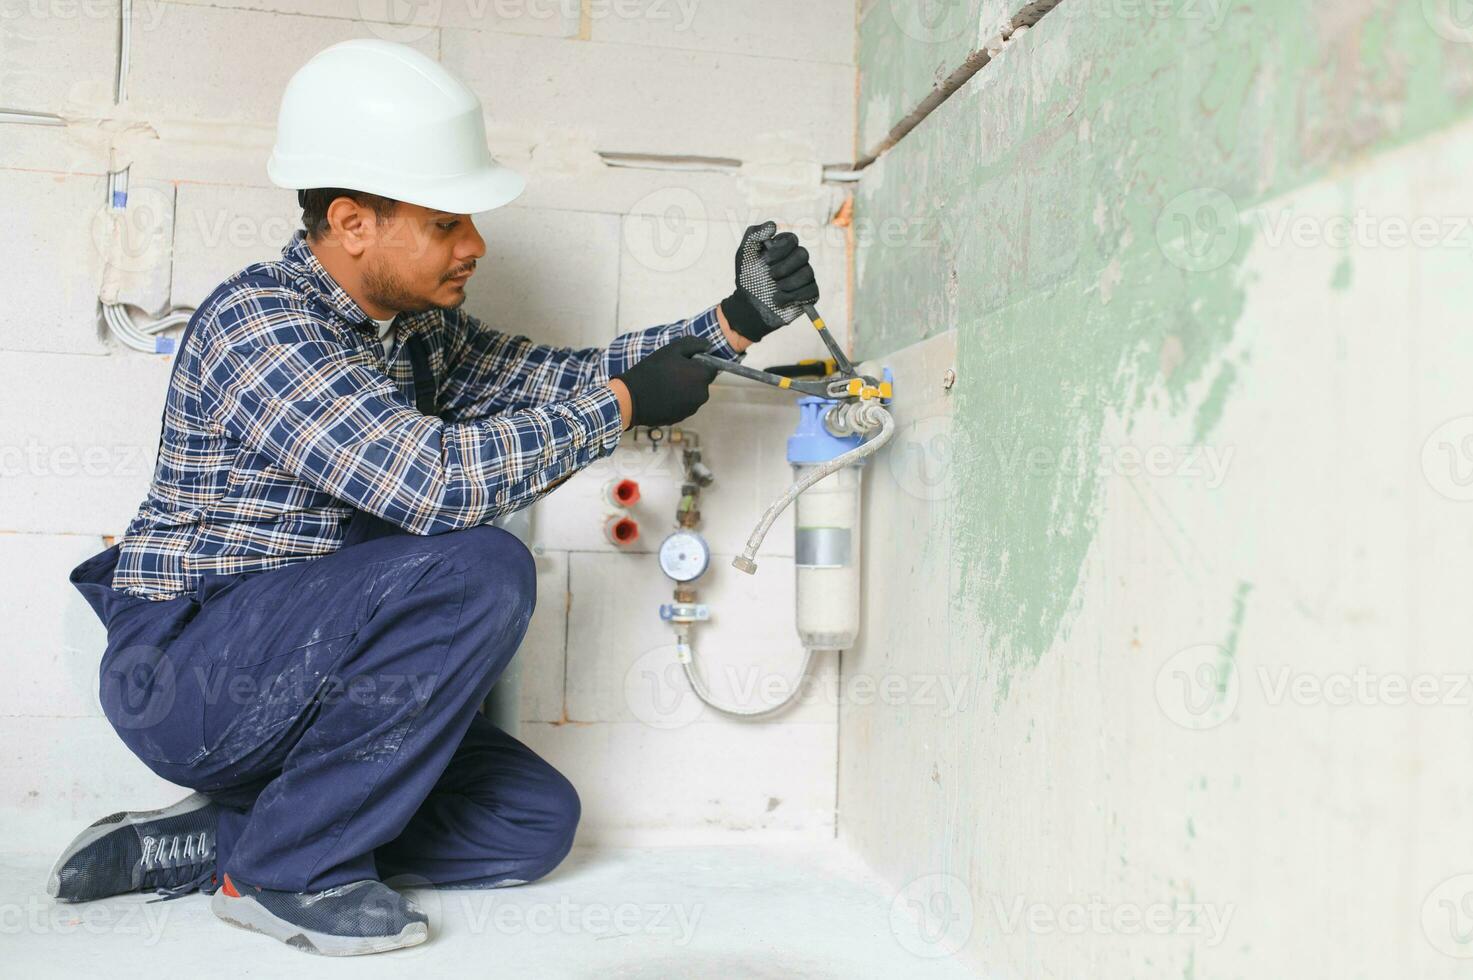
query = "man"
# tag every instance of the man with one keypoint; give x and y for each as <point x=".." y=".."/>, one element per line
<point x="309" y="607"/>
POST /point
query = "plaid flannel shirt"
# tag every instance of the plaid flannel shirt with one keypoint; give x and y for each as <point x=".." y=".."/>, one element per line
<point x="283" y="415"/>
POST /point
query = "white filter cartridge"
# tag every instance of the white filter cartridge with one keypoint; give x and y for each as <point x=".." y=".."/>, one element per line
<point x="827" y="559"/>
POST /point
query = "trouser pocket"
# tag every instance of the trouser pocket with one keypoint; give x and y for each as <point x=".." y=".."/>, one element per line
<point x="248" y="706"/>
<point x="146" y="693"/>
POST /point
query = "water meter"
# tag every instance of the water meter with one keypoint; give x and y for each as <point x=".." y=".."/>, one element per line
<point x="684" y="556"/>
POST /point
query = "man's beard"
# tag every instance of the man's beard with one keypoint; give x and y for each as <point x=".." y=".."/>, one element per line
<point x="386" y="289"/>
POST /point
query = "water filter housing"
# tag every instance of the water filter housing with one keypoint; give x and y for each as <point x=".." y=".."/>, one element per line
<point x="826" y="545"/>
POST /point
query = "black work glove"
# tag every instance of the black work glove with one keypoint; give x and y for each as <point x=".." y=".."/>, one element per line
<point x="667" y="386"/>
<point x="774" y="282"/>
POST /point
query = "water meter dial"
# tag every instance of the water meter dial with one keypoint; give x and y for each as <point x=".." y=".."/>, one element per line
<point x="684" y="556"/>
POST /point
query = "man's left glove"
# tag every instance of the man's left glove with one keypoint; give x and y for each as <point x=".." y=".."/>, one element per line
<point x="669" y="385"/>
<point x="774" y="282"/>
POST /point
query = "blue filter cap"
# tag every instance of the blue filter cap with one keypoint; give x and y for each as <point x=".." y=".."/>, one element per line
<point x="812" y="443"/>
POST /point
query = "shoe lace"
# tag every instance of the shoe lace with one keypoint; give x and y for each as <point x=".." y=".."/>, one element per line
<point x="177" y="864"/>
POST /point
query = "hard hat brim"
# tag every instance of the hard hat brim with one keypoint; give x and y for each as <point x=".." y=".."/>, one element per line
<point x="485" y="189"/>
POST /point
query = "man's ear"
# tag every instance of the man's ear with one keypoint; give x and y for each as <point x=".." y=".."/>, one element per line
<point x="352" y="225"/>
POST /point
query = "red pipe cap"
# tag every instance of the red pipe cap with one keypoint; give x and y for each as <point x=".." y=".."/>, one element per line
<point x="622" y="530"/>
<point x="626" y="493"/>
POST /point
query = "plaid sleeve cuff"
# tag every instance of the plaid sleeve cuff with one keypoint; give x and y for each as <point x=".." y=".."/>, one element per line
<point x="708" y="326"/>
<point x="600" y="410"/>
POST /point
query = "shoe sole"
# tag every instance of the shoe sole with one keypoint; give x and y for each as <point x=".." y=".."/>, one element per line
<point x="101" y="828"/>
<point x="246" y="913"/>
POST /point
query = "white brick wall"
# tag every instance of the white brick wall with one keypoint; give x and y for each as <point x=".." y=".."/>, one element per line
<point x="802" y="32"/>
<point x="60" y="774"/>
<point x="698" y="783"/>
<point x="638" y="99"/>
<point x="542" y="661"/>
<point x="54" y="244"/>
<point x="62" y="766"/>
<point x="407" y="22"/>
<point x="219" y="230"/>
<point x="52" y="641"/>
<point x="58" y="58"/>
<point x="211" y="65"/>
<point x="77" y="464"/>
<point x="552" y="275"/>
<point x="575" y="261"/>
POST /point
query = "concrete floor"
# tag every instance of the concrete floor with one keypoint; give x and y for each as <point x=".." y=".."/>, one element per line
<point x="734" y="911"/>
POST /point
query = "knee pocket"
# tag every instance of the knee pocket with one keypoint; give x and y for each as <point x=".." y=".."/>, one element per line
<point x="557" y="818"/>
<point x="495" y="560"/>
<point x="545" y="838"/>
<point x="562" y="829"/>
<point x="568" y="806"/>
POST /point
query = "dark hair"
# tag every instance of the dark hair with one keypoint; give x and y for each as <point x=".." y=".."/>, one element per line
<point x="317" y="200"/>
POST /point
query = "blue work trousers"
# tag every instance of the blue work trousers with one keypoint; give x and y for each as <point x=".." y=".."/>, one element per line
<point x="332" y="707"/>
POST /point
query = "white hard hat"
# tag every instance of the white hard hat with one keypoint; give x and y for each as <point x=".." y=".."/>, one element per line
<point x="380" y="117"/>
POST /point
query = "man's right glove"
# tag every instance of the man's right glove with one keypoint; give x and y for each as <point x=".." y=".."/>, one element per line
<point x="774" y="281"/>
<point x="667" y="386"/>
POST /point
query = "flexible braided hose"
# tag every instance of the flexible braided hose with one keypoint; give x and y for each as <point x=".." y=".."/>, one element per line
<point x="704" y="693"/>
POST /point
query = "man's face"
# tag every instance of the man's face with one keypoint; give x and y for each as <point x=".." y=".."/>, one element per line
<point x="421" y="259"/>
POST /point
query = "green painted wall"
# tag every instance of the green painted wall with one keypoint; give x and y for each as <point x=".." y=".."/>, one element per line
<point x="1077" y="213"/>
<point x="906" y="48"/>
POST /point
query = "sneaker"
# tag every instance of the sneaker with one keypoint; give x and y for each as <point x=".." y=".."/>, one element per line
<point x="171" y="850"/>
<point x="347" y="920"/>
